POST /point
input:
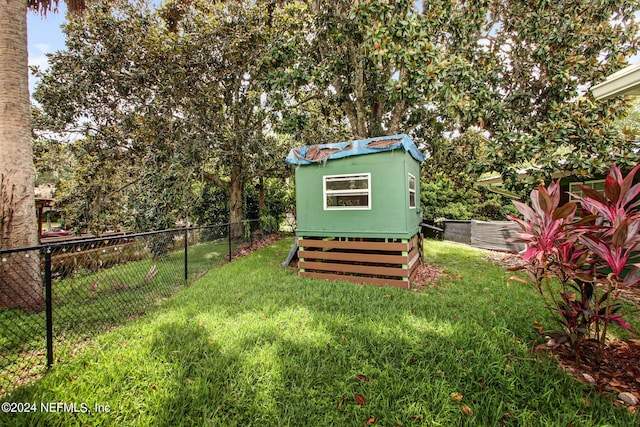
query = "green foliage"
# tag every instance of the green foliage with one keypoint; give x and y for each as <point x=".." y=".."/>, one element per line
<point x="529" y="80"/>
<point x="514" y="72"/>
<point x="246" y="224"/>
<point x="278" y="200"/>
<point x="205" y="91"/>
<point x="162" y="102"/>
<point x="630" y="125"/>
<point x="442" y="197"/>
<point x="455" y="210"/>
<point x="269" y="224"/>
<point x="159" y="245"/>
<point x="494" y="207"/>
<point x="90" y="194"/>
<point x="211" y="205"/>
<point x="53" y="160"/>
<point x="375" y="64"/>
<point x="460" y="158"/>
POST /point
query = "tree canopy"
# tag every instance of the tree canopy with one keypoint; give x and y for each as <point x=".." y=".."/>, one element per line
<point x="518" y="72"/>
<point x="535" y="64"/>
<point x="162" y="104"/>
<point x="207" y="91"/>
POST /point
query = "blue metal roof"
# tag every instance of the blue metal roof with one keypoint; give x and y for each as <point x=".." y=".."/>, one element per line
<point x="322" y="152"/>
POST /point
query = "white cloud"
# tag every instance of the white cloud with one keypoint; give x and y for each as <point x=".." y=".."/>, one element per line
<point x="38" y="58"/>
<point x="43" y="47"/>
<point x="37" y="55"/>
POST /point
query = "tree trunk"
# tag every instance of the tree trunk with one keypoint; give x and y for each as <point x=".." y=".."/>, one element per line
<point x="236" y="193"/>
<point x="20" y="278"/>
<point x="397" y="115"/>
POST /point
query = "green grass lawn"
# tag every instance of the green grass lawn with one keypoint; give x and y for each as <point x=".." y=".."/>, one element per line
<point x="88" y="302"/>
<point x="252" y="343"/>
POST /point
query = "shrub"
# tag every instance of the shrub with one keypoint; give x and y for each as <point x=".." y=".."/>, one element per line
<point x="160" y="244"/>
<point x="455" y="211"/>
<point x="591" y="257"/>
<point x="269" y="224"/>
<point x="494" y="207"/>
<point x="442" y="197"/>
<point x="212" y="204"/>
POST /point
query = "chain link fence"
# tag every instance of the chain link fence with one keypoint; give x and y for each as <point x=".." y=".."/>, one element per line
<point x="56" y="295"/>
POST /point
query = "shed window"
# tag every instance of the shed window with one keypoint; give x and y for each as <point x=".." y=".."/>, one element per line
<point x="412" y="192"/>
<point x="597" y="185"/>
<point x="347" y="192"/>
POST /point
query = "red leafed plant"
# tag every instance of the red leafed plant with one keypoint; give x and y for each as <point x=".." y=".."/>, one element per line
<point x="580" y="265"/>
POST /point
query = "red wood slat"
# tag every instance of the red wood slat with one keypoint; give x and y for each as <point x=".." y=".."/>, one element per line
<point x="368" y="246"/>
<point x="355" y="257"/>
<point x="350" y="268"/>
<point x="357" y="279"/>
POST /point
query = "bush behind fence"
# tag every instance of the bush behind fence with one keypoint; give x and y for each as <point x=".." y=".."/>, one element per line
<point x="55" y="295"/>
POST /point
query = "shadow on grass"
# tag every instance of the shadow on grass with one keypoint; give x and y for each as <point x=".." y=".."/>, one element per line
<point x="305" y="355"/>
<point x="253" y="344"/>
<point x="87" y="302"/>
<point x="287" y="362"/>
<point x="198" y="379"/>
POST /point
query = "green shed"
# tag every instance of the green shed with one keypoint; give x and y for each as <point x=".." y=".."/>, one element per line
<point x="358" y="209"/>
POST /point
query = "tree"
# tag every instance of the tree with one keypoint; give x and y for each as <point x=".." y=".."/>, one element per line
<point x="170" y="97"/>
<point x="530" y="69"/>
<point x="221" y="48"/>
<point x="18" y="224"/>
<point x="517" y="72"/>
<point x="444" y="198"/>
<point x="104" y="109"/>
<point x="381" y="63"/>
<point x="630" y="124"/>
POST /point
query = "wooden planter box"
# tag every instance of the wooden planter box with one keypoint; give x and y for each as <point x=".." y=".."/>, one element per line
<point x="391" y="262"/>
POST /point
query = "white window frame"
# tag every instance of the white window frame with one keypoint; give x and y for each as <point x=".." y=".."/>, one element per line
<point x="573" y="187"/>
<point x="412" y="191"/>
<point x="346" y="177"/>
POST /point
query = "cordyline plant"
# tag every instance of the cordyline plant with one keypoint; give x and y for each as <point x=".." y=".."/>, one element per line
<point x="580" y="265"/>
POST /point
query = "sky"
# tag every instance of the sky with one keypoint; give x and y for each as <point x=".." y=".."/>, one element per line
<point x="45" y="36"/>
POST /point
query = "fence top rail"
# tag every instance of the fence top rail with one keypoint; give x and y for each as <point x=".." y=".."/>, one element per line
<point x="45" y="247"/>
<point x="22" y="249"/>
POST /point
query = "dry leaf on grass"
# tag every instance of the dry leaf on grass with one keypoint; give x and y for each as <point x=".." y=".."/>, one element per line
<point x="362" y="377"/>
<point x="426" y="275"/>
<point x="361" y="400"/>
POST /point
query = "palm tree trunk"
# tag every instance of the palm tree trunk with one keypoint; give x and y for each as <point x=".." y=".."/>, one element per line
<point x="22" y="278"/>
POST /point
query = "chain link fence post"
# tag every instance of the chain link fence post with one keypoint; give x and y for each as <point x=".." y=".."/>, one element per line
<point x="229" y="237"/>
<point x="186" y="256"/>
<point x="48" y="305"/>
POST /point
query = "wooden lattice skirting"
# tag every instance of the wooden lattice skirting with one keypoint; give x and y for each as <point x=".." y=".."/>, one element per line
<point x="392" y="262"/>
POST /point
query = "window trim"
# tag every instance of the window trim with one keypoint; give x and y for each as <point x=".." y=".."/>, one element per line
<point x="345" y="177"/>
<point x="575" y="184"/>
<point x="415" y="193"/>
